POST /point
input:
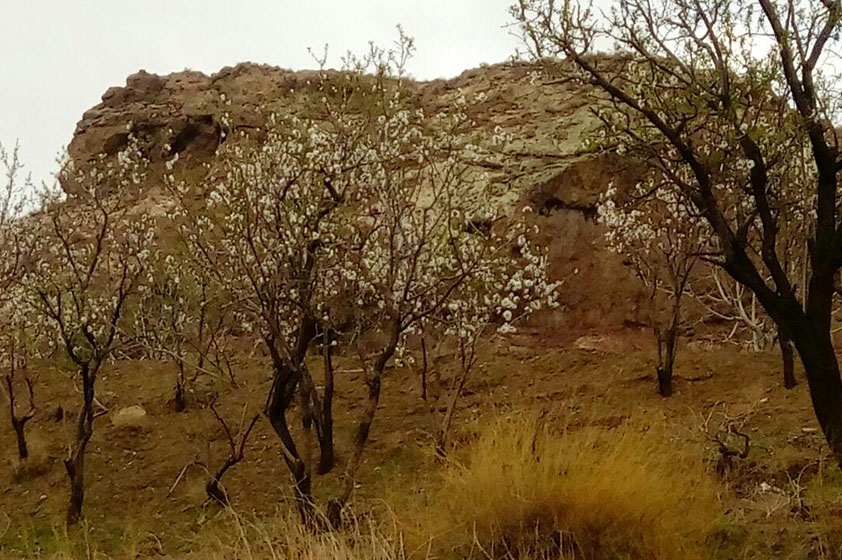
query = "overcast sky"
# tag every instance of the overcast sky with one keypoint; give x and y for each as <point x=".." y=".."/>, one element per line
<point x="57" y="57"/>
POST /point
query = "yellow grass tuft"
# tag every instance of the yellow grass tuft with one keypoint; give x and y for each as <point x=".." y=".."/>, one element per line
<point x="593" y="492"/>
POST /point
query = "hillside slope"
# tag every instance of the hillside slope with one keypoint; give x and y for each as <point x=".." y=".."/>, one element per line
<point x="581" y="369"/>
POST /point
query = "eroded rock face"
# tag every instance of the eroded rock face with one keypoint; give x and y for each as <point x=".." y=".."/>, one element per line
<point x="543" y="166"/>
<point x="182" y="113"/>
<point x="179" y="110"/>
<point x="139" y="87"/>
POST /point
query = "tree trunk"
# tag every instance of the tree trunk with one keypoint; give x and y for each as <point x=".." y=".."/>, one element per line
<point x="666" y="359"/>
<point x="664" y="382"/>
<point x="75" y="463"/>
<point x="315" y="413"/>
<point x="285" y="382"/>
<point x="302" y="482"/>
<point x="202" y="348"/>
<point x="214" y="489"/>
<point x="444" y="430"/>
<point x="327" y="455"/>
<point x="76" y="471"/>
<point x="19" y="422"/>
<point x="374" y="381"/>
<point x="375" y="384"/>
<point x="20" y="427"/>
<point x="424" y="368"/>
<point x="821" y="369"/>
<point x="788" y="358"/>
<point x="303" y="491"/>
<point x="180" y="400"/>
<point x="667" y="342"/>
<point x="318" y="411"/>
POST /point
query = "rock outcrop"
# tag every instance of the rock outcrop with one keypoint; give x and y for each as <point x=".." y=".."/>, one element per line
<point x="544" y="165"/>
<point x="181" y="113"/>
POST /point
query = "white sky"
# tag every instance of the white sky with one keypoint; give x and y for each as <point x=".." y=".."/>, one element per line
<point x="57" y="57"/>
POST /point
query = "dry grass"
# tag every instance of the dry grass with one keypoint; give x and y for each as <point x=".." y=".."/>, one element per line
<point x="528" y="491"/>
<point x="286" y="537"/>
<point x="234" y="537"/>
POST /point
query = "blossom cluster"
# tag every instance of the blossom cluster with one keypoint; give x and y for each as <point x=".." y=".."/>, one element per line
<point x="656" y="228"/>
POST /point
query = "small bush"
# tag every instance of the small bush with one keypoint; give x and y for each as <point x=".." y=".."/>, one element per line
<point x="590" y="493"/>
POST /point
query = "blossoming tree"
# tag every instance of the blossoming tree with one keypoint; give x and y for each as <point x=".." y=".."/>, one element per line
<point x="423" y="249"/>
<point x="91" y="254"/>
<point x="15" y="251"/>
<point x="352" y="228"/>
<point x="695" y="80"/>
<point x="659" y="233"/>
<point x="491" y="302"/>
<point x="262" y="237"/>
<point x="180" y="318"/>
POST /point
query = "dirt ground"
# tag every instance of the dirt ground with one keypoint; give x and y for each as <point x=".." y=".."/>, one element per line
<point x="147" y="482"/>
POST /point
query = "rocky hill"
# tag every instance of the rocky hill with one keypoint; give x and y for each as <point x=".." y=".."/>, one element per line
<point x="543" y="165"/>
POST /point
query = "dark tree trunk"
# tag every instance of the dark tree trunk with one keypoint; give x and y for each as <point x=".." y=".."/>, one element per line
<point x="286" y="381"/>
<point x="180" y="400"/>
<point x="302" y="482"/>
<point x="75" y="463"/>
<point x="303" y="491"/>
<point x="76" y="472"/>
<point x="335" y="507"/>
<point x="374" y="381"/>
<point x="202" y="347"/>
<point x="814" y="342"/>
<point x="424" y="368"/>
<point x="823" y="379"/>
<point x="315" y="413"/>
<point x="213" y="488"/>
<point x="788" y="359"/>
<point x="284" y="385"/>
<point x="444" y="430"/>
<point x="667" y="338"/>
<point x="664" y="382"/>
<point x="23" y="449"/>
<point x="318" y="411"/>
<point x="666" y="358"/>
<point x="19" y="422"/>
<point x="327" y="454"/>
<point x="809" y="331"/>
<point x="467" y="360"/>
